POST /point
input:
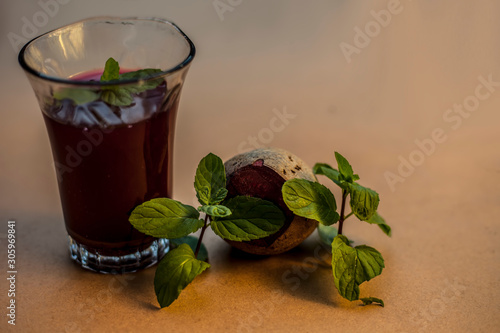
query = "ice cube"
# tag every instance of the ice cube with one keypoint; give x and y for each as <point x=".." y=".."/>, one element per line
<point x="105" y="115"/>
<point x="83" y="117"/>
<point x="133" y="113"/>
<point x="64" y="112"/>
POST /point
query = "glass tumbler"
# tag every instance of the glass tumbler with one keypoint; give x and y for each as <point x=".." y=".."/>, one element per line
<point x="111" y="141"/>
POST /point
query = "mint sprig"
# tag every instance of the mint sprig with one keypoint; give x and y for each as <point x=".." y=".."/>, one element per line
<point x="240" y="218"/>
<point x="351" y="266"/>
<point x="117" y="95"/>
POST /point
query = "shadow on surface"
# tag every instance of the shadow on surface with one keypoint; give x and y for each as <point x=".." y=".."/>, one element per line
<point x="303" y="272"/>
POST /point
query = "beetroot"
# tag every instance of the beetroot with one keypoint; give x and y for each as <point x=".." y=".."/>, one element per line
<point x="261" y="173"/>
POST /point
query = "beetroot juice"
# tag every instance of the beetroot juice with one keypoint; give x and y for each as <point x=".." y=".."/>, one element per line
<point x="110" y="159"/>
<point x="111" y="137"/>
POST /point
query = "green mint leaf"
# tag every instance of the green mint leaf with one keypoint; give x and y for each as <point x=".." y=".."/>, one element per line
<point x="220" y="195"/>
<point x="251" y="218"/>
<point x="370" y="300"/>
<point x="122" y="95"/>
<point x="175" y="271"/>
<point x="116" y="96"/>
<point x="364" y="201"/>
<point x="345" y="169"/>
<point x="377" y="219"/>
<point x="142" y="85"/>
<point x="79" y="96"/>
<point x="326" y="170"/>
<point x="166" y="218"/>
<point x="353" y="266"/>
<point x="215" y="210"/>
<point x="310" y="200"/>
<point x="210" y="180"/>
<point x="386" y="229"/>
<point x="327" y="234"/>
<point x="140" y="74"/>
<point x="111" y="70"/>
<point x="192" y="241"/>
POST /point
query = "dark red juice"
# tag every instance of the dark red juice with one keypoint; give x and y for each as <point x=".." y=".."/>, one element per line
<point x="110" y="159"/>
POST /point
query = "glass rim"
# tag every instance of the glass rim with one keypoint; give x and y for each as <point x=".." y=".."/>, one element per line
<point x="182" y="64"/>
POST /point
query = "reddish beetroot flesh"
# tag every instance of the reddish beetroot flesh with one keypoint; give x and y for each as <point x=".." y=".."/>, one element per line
<point x="257" y="180"/>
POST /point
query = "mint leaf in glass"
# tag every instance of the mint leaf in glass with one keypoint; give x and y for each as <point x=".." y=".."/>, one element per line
<point x="116" y="96"/>
<point x="79" y="96"/>
<point x="215" y="210"/>
<point x="310" y="200"/>
<point x="353" y="266"/>
<point x="121" y="95"/>
<point x="111" y="70"/>
<point x="143" y="85"/>
<point x="251" y="218"/>
<point x="175" y="271"/>
<point x="166" y="218"/>
<point x="364" y="201"/>
<point x="379" y="220"/>
<point x="210" y="180"/>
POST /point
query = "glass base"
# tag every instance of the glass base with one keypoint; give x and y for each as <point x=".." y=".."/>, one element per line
<point x="118" y="264"/>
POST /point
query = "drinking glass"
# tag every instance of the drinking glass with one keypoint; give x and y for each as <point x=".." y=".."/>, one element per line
<point x="110" y="156"/>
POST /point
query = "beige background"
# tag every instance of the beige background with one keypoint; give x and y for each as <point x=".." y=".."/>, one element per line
<point x="442" y="263"/>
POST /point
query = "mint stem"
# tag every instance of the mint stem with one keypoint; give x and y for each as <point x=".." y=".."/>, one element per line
<point x="201" y="237"/>
<point x="342" y="218"/>
<point x="348" y="215"/>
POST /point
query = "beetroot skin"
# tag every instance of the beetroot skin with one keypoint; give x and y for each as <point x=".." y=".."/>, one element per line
<point x="261" y="173"/>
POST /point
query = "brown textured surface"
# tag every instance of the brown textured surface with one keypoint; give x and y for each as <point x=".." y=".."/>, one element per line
<point x="442" y="263"/>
